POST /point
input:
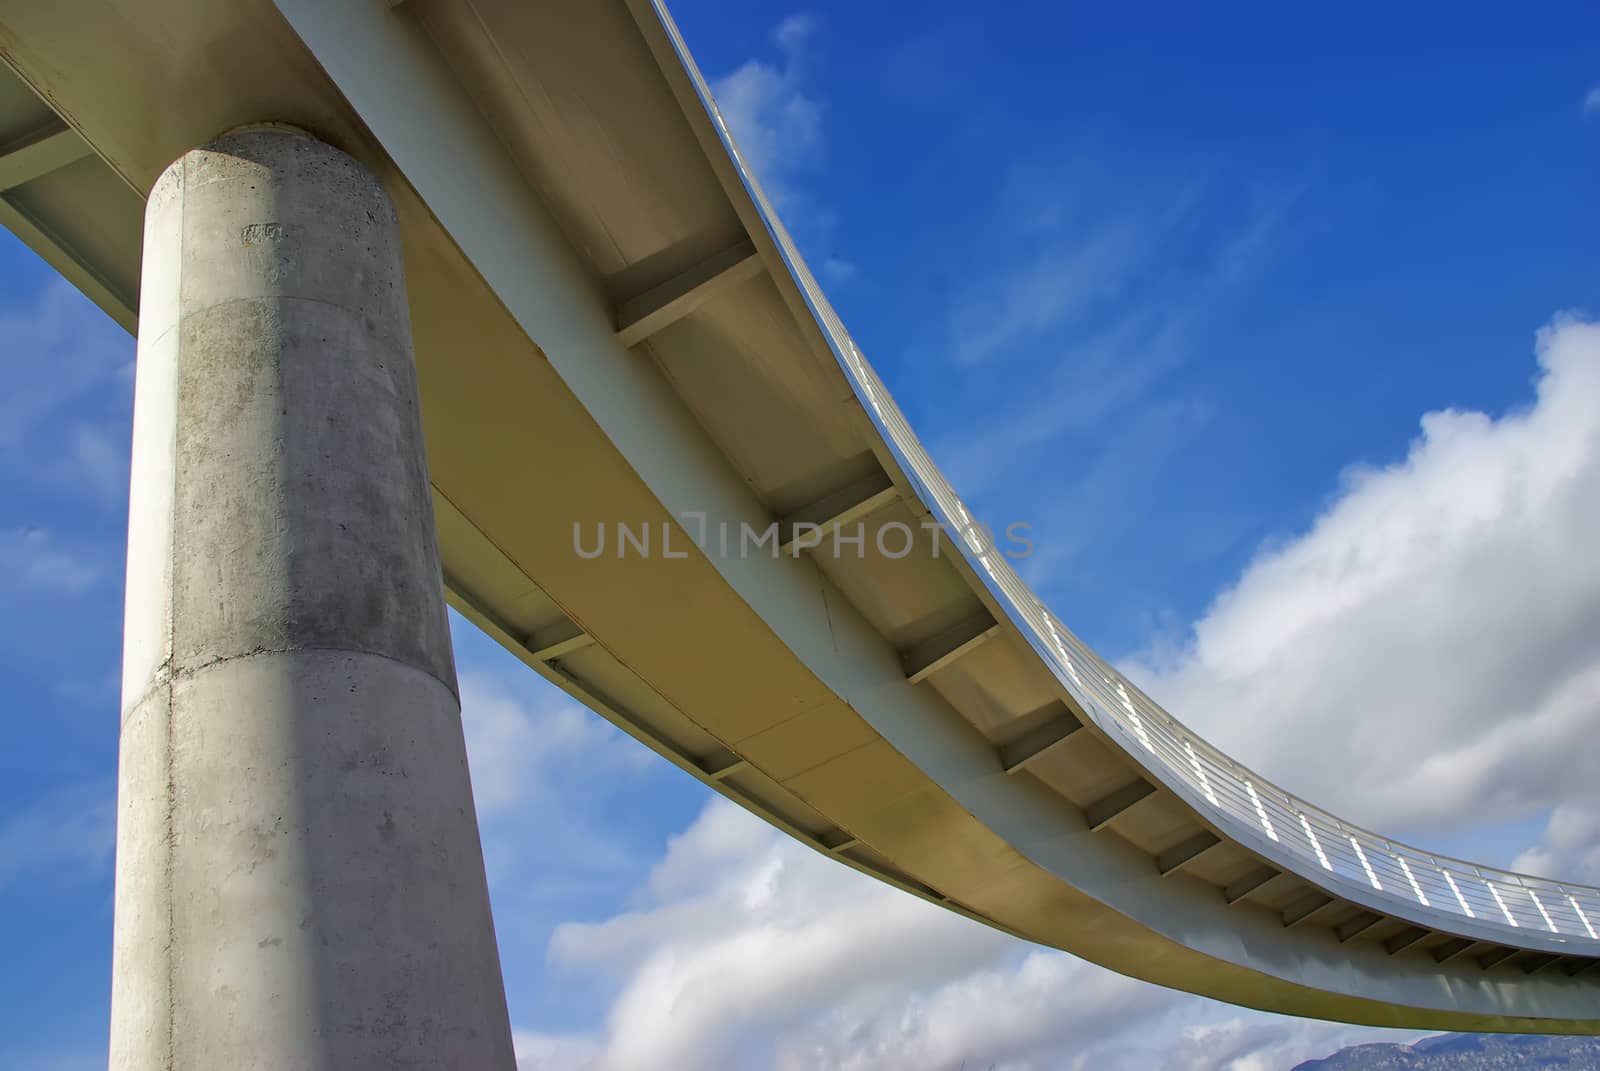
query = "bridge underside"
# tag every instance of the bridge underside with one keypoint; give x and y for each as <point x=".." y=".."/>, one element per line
<point x="609" y="331"/>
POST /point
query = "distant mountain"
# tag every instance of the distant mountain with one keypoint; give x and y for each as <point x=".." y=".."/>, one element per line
<point x="1467" y="1052"/>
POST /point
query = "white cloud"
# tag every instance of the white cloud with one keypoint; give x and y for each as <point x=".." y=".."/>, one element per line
<point x="1569" y="849"/>
<point x="1122" y="287"/>
<point x="65" y="415"/>
<point x="746" y="949"/>
<point x="29" y="558"/>
<point x="538" y="1052"/>
<point x="1097" y="317"/>
<point x="1591" y="101"/>
<point x="1431" y="638"/>
<point x="1056" y="286"/>
<point x="1430" y="641"/>
<point x="515" y="746"/>
<point x="1048" y="1010"/>
<point x="743" y="938"/>
<point x="776" y="121"/>
<point x="839" y="271"/>
<point x="548" y="778"/>
<point x="794" y="32"/>
<point x="1082" y="253"/>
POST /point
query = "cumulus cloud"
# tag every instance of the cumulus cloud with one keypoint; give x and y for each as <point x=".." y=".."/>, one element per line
<point x="1420" y="657"/>
<point x="549" y="780"/>
<point x="741" y="938"/>
<point x="538" y="1051"/>
<point x="776" y="121"/>
<point x="1569" y="849"/>
<point x="1591" y="101"/>
<point x="532" y="751"/>
<point x="1430" y="639"/>
<point x="746" y="949"/>
<point x="516" y="743"/>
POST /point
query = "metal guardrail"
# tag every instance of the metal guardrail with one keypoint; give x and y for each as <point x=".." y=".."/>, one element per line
<point x="1453" y="895"/>
<point x="1354" y="864"/>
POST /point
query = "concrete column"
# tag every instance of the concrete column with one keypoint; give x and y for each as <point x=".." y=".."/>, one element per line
<point x="299" y="878"/>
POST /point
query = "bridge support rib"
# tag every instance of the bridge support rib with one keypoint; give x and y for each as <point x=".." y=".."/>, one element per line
<point x="299" y="877"/>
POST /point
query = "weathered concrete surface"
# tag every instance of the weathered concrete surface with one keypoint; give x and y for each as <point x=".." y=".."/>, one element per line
<point x="299" y="878"/>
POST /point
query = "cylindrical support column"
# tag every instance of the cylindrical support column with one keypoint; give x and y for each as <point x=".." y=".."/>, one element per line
<point x="300" y="885"/>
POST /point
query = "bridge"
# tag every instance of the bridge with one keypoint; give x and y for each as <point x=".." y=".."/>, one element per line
<point x="615" y="338"/>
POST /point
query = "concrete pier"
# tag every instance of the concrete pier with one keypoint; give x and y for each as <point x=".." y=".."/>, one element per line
<point x="299" y="882"/>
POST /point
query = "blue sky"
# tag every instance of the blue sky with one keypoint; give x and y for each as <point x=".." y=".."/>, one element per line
<point x="1240" y="310"/>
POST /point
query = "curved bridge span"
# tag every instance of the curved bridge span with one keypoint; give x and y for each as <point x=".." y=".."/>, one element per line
<point x="614" y="331"/>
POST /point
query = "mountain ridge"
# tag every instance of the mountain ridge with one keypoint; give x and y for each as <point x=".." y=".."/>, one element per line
<point x="1466" y="1052"/>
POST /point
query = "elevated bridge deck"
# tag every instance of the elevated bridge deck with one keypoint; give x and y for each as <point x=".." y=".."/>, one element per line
<point x="613" y="329"/>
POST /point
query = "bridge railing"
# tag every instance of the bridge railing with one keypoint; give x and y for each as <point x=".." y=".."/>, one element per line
<point x="1390" y="877"/>
<point x="1355" y="864"/>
